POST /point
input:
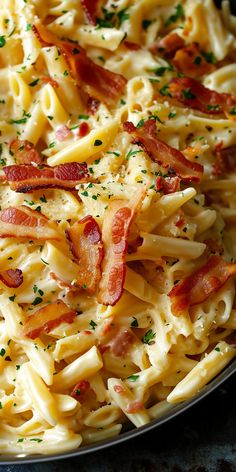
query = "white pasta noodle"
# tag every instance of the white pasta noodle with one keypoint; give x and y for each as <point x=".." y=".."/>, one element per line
<point x="117" y="214"/>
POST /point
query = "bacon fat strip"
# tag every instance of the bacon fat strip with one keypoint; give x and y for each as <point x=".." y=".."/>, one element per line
<point x="99" y="82"/>
<point x="86" y="245"/>
<point x="22" y="222"/>
<point x="201" y="284"/>
<point x="117" y="221"/>
<point x="12" y="278"/>
<point x="90" y="10"/>
<point x="47" y="318"/>
<point x="195" y="95"/>
<point x="27" y="178"/>
<point x="161" y="152"/>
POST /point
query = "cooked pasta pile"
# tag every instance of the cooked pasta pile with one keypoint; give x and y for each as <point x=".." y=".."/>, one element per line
<point x="118" y="213"/>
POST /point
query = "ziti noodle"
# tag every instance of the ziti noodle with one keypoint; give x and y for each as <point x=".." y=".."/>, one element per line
<point x="118" y="213"/>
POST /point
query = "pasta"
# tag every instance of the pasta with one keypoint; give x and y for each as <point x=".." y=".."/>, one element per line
<point x="117" y="214"/>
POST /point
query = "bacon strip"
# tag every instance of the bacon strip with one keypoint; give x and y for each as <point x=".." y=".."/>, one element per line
<point x="22" y="222"/>
<point x="12" y="278"/>
<point x="97" y="81"/>
<point x="27" y="178"/>
<point x="191" y="62"/>
<point x="167" y="185"/>
<point x="79" y="390"/>
<point x="117" y="222"/>
<point x="120" y="342"/>
<point x="161" y="152"/>
<point x="90" y="10"/>
<point x="24" y="152"/>
<point x="47" y="318"/>
<point x="201" y="284"/>
<point x="86" y="246"/>
<point x="192" y="93"/>
<point x="168" y="45"/>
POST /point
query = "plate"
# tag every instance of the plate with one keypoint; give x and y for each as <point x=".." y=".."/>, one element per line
<point x="175" y="410"/>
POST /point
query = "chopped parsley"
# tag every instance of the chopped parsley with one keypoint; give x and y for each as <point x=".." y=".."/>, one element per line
<point x="43" y="199"/>
<point x="21" y="121"/>
<point x="165" y="91"/>
<point x="133" y="378"/>
<point x="210" y="57"/>
<point x="0" y="406"/>
<point x="146" y="24"/>
<point x="34" y="83"/>
<point x="2" y="41"/>
<point x="217" y="349"/>
<point x="172" y="114"/>
<point x="233" y="111"/>
<point x="97" y="142"/>
<point x="12" y="298"/>
<point x="134" y="323"/>
<point x="93" y="324"/>
<point x="188" y="94"/>
<point x="197" y="60"/>
<point x="83" y="117"/>
<point x="179" y="13"/>
<point x="37" y="300"/>
<point x="149" y="336"/>
<point x="140" y="123"/>
<point x="2" y="352"/>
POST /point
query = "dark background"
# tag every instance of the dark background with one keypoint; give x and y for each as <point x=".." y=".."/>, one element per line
<point x="203" y="439"/>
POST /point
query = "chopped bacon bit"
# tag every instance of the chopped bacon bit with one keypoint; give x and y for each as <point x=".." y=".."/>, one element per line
<point x="86" y="331"/>
<point x="27" y="178"/>
<point x="161" y="152"/>
<point x="117" y="221"/>
<point x="12" y="278"/>
<point x="135" y="406"/>
<point x="24" y="152"/>
<point x="48" y="80"/>
<point x="90" y="10"/>
<point x="201" y="284"/>
<point x="47" y="318"/>
<point x="168" y="45"/>
<point x="97" y="81"/>
<point x="86" y="246"/>
<point x="92" y="105"/>
<point x="192" y="93"/>
<point x="118" y="389"/>
<point x="120" y="342"/>
<point x="63" y="132"/>
<point x="168" y="184"/>
<point x="180" y="223"/>
<point x="225" y="159"/>
<point x="132" y="46"/>
<point x="22" y="222"/>
<point x="83" y="129"/>
<point x="191" y="62"/>
<point x="79" y="390"/>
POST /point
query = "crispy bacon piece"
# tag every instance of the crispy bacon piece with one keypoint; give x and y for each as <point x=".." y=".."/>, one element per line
<point x="225" y="159"/>
<point x="135" y="406"/>
<point x="132" y="46"/>
<point x="97" y="81"/>
<point x="79" y="390"/>
<point x="118" y="389"/>
<point x="120" y="342"/>
<point x="86" y="245"/>
<point x="47" y="318"/>
<point x="191" y="62"/>
<point x="92" y="105"/>
<point x="117" y="221"/>
<point x="193" y="94"/>
<point x="90" y="10"/>
<point x="63" y="132"/>
<point x="48" y="80"/>
<point x="161" y="152"/>
<point x="24" y="152"/>
<point x="12" y="278"/>
<point x="83" y="129"/>
<point x="22" y="222"/>
<point x="27" y="178"/>
<point x="167" y="185"/>
<point x="201" y="284"/>
<point x="168" y="45"/>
